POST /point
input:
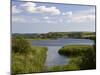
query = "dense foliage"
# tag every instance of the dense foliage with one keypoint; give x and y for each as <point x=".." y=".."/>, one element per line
<point x="20" y="45"/>
<point x="85" y="52"/>
<point x="27" y="58"/>
<point x="72" y="66"/>
<point x="31" y="59"/>
<point x="75" y="50"/>
<point x="55" y="35"/>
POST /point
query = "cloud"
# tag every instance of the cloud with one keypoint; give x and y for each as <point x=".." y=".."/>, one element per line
<point x="88" y="11"/>
<point x="18" y="19"/>
<point x="83" y="18"/>
<point x="15" y="10"/>
<point x="51" y="10"/>
<point x="51" y="22"/>
<point x="69" y="13"/>
<point x="29" y="6"/>
<point x="87" y="15"/>
<point x="46" y="17"/>
<point x="32" y="8"/>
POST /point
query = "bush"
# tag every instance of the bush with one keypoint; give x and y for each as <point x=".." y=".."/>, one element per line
<point x="74" y="50"/>
<point x="88" y="59"/>
<point x="20" y="45"/>
<point x="32" y="63"/>
<point x="86" y="53"/>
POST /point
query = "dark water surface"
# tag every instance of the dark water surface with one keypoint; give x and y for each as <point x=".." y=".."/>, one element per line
<point x="53" y="58"/>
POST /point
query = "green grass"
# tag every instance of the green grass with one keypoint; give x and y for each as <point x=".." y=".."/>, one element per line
<point x="72" y="66"/>
<point x="69" y="67"/>
<point x="31" y="59"/>
<point x="31" y="62"/>
<point x="74" y="50"/>
<point x="83" y="56"/>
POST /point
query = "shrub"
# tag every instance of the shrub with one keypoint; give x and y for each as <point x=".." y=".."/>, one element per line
<point x="33" y="62"/>
<point x="88" y="59"/>
<point x="86" y="53"/>
<point x="74" y="50"/>
<point x="19" y="44"/>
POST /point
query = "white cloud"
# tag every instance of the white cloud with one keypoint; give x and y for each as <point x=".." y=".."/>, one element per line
<point x="32" y="8"/>
<point x="29" y="6"/>
<point x="15" y="10"/>
<point x="18" y="19"/>
<point x="51" y="10"/>
<point x="51" y="22"/>
<point x="82" y="16"/>
<point x="25" y="19"/>
<point x="46" y="17"/>
<point x="69" y="13"/>
<point x="69" y="16"/>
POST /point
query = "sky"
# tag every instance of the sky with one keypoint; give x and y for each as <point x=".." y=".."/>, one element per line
<point x="37" y="17"/>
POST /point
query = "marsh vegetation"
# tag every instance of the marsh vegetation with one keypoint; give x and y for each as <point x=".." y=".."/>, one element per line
<point x="84" y="56"/>
<point x="27" y="58"/>
<point x="30" y="57"/>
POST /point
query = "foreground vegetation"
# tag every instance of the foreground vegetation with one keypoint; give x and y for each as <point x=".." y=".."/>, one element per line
<point x="75" y="50"/>
<point x="86" y="56"/>
<point x="31" y="59"/>
<point x="72" y="66"/>
<point x="81" y="57"/>
<point x="27" y="58"/>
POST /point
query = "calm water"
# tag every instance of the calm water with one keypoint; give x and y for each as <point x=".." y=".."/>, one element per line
<point x="53" y="58"/>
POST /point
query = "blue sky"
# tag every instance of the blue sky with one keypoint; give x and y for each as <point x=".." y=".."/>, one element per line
<point x="35" y="17"/>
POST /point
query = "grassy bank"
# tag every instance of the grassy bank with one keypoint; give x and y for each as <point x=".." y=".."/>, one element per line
<point x="83" y="56"/>
<point x="33" y="61"/>
<point x="75" y="50"/>
<point x="38" y="39"/>
<point x="72" y="66"/>
<point x="27" y="58"/>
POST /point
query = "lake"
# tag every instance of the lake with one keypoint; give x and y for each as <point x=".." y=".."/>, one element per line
<point x="53" y="58"/>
